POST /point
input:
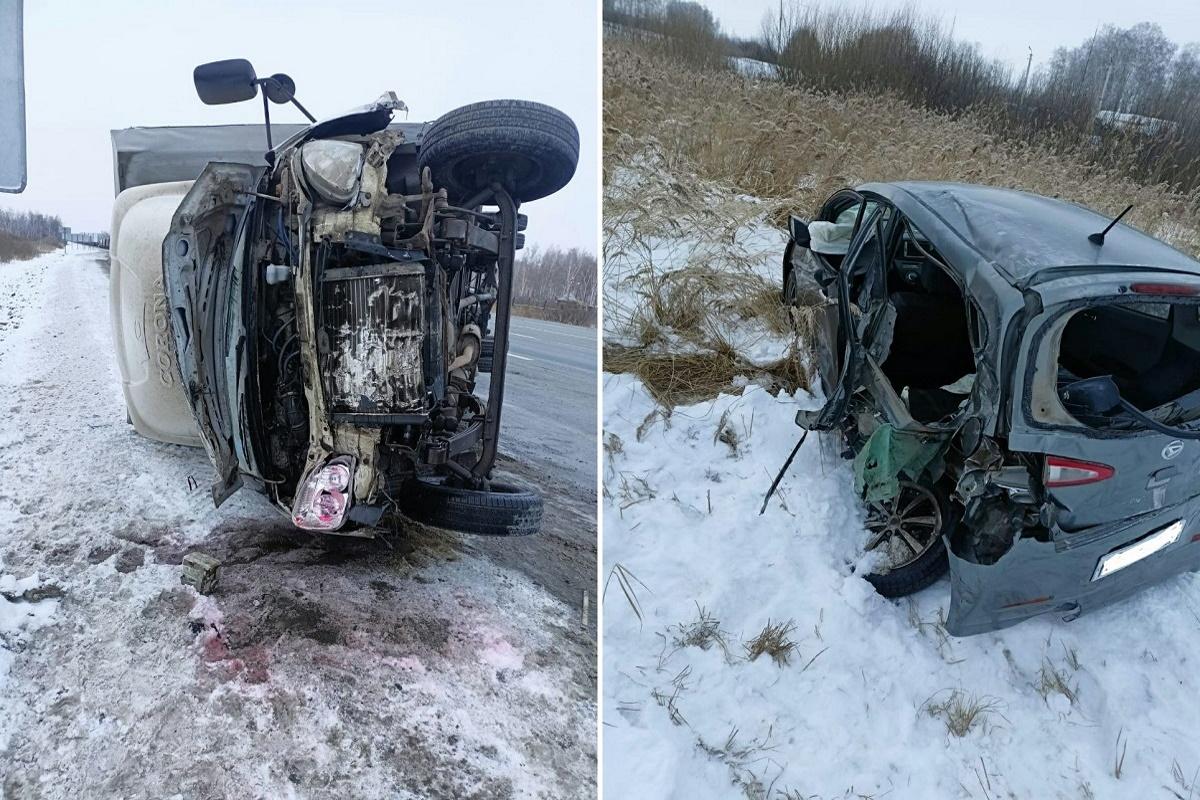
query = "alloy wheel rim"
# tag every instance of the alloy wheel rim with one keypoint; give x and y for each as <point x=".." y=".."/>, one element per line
<point x="904" y="527"/>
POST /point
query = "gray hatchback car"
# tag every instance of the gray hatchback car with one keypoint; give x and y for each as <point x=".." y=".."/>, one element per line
<point x="1018" y="381"/>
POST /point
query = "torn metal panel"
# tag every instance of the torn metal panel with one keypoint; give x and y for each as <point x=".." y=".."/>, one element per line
<point x="890" y="454"/>
<point x="203" y="259"/>
<point x="1056" y="577"/>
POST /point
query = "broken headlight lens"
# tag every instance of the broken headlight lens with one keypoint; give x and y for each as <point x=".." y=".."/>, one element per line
<point x="324" y="496"/>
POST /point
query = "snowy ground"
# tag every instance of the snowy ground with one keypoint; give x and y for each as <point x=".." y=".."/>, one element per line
<point x="863" y="704"/>
<point x="419" y="669"/>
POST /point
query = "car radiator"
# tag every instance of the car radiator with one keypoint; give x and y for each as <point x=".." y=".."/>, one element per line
<point x="372" y="332"/>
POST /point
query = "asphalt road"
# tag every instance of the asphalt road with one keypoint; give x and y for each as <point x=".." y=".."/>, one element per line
<point x="548" y="439"/>
<point x="549" y="413"/>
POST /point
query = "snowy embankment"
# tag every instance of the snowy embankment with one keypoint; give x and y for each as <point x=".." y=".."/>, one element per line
<point x="848" y="695"/>
<point x="753" y="68"/>
<point x="669" y="293"/>
<point x="406" y="669"/>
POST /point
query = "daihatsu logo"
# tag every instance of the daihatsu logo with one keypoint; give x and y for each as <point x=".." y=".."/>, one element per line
<point x="1172" y="449"/>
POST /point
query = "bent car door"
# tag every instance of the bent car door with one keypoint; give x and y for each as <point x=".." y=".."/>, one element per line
<point x="204" y="257"/>
<point x="850" y="314"/>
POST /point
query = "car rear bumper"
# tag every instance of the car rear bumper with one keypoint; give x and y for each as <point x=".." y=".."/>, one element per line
<point x="1035" y="578"/>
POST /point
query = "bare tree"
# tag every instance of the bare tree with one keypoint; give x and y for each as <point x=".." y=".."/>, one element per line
<point x="30" y="224"/>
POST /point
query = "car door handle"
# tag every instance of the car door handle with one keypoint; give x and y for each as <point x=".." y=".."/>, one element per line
<point x="1161" y="477"/>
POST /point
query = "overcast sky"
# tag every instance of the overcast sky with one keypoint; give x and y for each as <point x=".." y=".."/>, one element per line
<point x="1005" y="30"/>
<point x="91" y="67"/>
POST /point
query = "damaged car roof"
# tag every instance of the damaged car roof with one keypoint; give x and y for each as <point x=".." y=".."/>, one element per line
<point x="1022" y="234"/>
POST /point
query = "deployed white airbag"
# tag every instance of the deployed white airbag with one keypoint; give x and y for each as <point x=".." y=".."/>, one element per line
<point x="833" y="238"/>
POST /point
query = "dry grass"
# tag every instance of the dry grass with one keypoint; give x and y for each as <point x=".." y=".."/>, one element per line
<point x="773" y="640"/>
<point x="13" y="248"/>
<point x="628" y="583"/>
<point x="686" y="287"/>
<point x="702" y="632"/>
<point x="672" y="378"/>
<point x="1053" y="679"/>
<point x="962" y="712"/>
<point x="793" y="147"/>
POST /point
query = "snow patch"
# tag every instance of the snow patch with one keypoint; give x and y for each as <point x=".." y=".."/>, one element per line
<point x="864" y="703"/>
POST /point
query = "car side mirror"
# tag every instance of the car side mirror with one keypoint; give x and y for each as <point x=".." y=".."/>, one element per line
<point x="798" y="230"/>
<point x="280" y="88"/>
<point x="229" y="81"/>
<point x="1098" y="395"/>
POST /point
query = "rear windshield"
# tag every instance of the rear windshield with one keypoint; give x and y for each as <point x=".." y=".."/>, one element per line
<point x="1152" y="352"/>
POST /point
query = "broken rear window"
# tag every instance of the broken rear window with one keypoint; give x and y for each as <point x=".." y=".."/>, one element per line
<point x="1152" y="352"/>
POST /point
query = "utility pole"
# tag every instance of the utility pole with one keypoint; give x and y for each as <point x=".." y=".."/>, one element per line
<point x="1025" y="80"/>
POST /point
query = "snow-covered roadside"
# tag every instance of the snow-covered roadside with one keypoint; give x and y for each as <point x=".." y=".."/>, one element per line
<point x="872" y="698"/>
<point x="1101" y="707"/>
<point x="419" y="671"/>
<point x="660" y="226"/>
<point x="25" y="606"/>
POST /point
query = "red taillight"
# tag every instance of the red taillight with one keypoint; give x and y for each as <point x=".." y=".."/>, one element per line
<point x="1176" y="289"/>
<point x="1071" y="472"/>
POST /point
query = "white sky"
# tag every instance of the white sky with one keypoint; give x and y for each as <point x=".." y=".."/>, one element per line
<point x="91" y="67"/>
<point x="1005" y="29"/>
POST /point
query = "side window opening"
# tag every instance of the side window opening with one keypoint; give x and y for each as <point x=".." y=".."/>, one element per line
<point x="931" y="361"/>
<point x="839" y="226"/>
<point x="1151" y="350"/>
<point x="869" y="240"/>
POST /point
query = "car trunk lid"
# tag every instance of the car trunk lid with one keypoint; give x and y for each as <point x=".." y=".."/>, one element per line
<point x="1137" y="326"/>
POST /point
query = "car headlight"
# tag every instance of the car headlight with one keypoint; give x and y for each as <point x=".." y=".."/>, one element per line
<point x="332" y="169"/>
<point x="324" y="496"/>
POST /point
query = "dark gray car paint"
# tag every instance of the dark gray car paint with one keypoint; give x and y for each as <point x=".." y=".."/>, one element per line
<point x="1036" y="577"/>
<point x="1019" y="258"/>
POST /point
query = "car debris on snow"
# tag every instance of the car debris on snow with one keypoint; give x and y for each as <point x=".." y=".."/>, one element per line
<point x="200" y="571"/>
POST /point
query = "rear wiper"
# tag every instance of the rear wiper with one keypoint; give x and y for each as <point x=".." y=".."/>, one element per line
<point x="1181" y="409"/>
<point x="1100" y="396"/>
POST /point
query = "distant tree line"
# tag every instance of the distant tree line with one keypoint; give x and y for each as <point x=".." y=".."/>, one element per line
<point x="554" y="275"/>
<point x="30" y="224"/>
<point x="1130" y="96"/>
<point x="556" y="284"/>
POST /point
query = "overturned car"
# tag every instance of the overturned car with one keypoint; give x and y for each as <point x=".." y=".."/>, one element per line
<point x="1018" y="381"/>
<point x="318" y="318"/>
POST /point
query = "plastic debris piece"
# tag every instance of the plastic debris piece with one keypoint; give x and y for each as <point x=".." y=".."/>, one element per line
<point x="200" y="571"/>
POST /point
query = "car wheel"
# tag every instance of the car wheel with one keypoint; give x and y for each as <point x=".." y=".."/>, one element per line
<point x="529" y="148"/>
<point x="907" y="532"/>
<point x="506" y="510"/>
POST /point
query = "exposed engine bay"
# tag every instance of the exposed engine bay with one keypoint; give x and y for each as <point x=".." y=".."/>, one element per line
<point x="334" y="312"/>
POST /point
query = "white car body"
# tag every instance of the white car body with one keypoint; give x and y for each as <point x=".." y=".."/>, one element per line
<point x="150" y="380"/>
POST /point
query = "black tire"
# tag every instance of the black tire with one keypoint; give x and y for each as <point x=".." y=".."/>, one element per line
<point x="529" y="148"/>
<point x="931" y="564"/>
<point x="487" y="350"/>
<point x="506" y="510"/>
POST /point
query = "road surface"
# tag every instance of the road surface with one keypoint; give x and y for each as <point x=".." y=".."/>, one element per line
<point x="426" y="665"/>
<point x="547" y="438"/>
